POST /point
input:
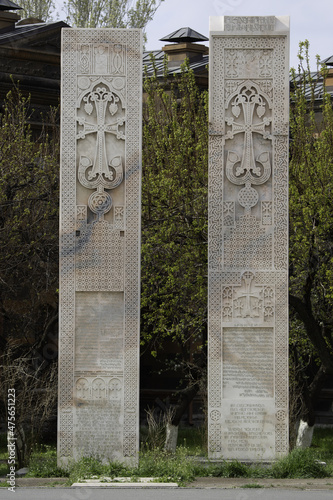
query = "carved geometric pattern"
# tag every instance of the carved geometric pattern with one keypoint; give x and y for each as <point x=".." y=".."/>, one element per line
<point x="214" y="343"/>
<point x="281" y="439"/>
<point x="266" y="86"/>
<point x="66" y="442"/>
<point x="67" y="263"/>
<point x="132" y="257"/>
<point x="281" y="204"/>
<point x="100" y="258"/>
<point x="243" y="63"/>
<point x="215" y="180"/>
<point x="248" y="234"/>
<point x="130" y="437"/>
<point x="99" y="245"/>
<point x="215" y="445"/>
<point x="266" y="213"/>
<point x="229" y="213"/>
<point x="215" y="415"/>
<point x="247" y="245"/>
<point x="119" y="217"/>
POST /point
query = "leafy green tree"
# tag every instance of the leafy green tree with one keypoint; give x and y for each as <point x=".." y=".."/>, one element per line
<point x="311" y="234"/>
<point x="28" y="224"/>
<point x="111" y="13"/>
<point x="29" y="165"/>
<point x="40" y="9"/>
<point x="174" y="232"/>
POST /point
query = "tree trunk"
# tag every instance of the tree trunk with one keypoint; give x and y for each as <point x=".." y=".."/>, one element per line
<point x="186" y="396"/>
<point x="310" y="391"/>
<point x="21" y="446"/>
<point x="304" y="435"/>
<point x="171" y="437"/>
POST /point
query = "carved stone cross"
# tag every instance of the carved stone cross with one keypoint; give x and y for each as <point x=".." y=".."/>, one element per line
<point x="248" y="101"/>
<point x="249" y="303"/>
<point x="101" y="97"/>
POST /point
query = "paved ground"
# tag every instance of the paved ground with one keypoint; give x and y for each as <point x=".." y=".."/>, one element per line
<point x="164" y="494"/>
<point x="302" y="484"/>
<point x="206" y="483"/>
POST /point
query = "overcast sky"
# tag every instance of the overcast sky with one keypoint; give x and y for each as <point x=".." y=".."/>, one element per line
<point x="309" y="19"/>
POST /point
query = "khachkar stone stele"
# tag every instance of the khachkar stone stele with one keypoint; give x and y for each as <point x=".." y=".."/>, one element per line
<point x="100" y="244"/>
<point x="248" y="238"/>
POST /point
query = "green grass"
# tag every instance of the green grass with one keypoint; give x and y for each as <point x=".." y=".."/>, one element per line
<point x="182" y="467"/>
<point x="300" y="464"/>
<point x="43" y="463"/>
<point x="3" y="469"/>
<point x="3" y="447"/>
<point x="252" y="485"/>
<point x="322" y="443"/>
<point x="194" y="439"/>
<point x="178" y="467"/>
<point x="3" y="455"/>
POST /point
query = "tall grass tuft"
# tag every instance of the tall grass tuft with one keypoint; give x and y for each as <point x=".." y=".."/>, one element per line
<point x="299" y="464"/>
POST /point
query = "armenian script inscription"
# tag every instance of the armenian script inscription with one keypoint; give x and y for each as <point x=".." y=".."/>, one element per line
<point x="248" y="238"/>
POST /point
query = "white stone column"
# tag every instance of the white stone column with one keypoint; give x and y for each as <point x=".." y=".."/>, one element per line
<point x="248" y="237"/>
<point x="101" y="99"/>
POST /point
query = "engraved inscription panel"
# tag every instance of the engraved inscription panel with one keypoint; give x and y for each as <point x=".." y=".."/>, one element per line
<point x="248" y="238"/>
<point x="248" y="427"/>
<point x="98" y="403"/>
<point x="249" y="23"/>
<point x="99" y="336"/>
<point x="248" y="362"/>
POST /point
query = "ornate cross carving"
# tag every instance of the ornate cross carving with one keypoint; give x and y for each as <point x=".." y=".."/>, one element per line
<point x="101" y="97"/>
<point x="247" y="169"/>
<point x="101" y="173"/>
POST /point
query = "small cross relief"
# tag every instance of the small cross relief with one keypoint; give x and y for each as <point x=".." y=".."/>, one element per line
<point x="248" y="300"/>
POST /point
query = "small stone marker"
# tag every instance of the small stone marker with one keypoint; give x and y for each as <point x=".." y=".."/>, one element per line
<point x="100" y="244"/>
<point x="248" y="237"/>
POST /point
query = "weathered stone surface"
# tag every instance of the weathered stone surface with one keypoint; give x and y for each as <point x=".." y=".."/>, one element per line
<point x="100" y="244"/>
<point x="248" y="237"/>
